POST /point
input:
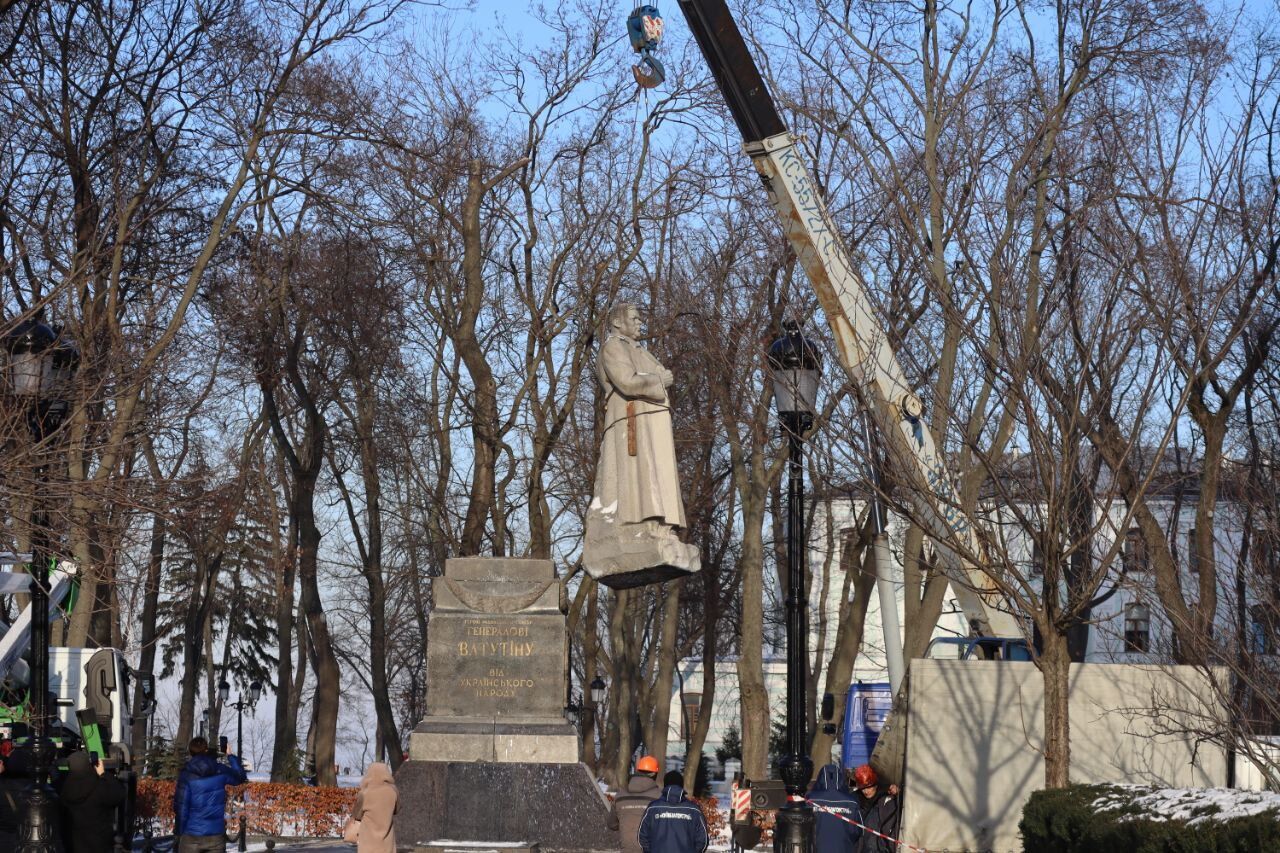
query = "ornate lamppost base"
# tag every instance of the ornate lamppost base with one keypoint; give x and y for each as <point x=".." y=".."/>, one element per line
<point x="795" y="828"/>
<point x="795" y="819"/>
<point x="39" y="829"/>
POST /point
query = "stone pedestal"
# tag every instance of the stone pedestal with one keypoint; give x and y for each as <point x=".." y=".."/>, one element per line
<point x="495" y="760"/>
<point x="556" y="806"/>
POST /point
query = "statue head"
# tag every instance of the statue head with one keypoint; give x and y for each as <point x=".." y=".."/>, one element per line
<point x="624" y="318"/>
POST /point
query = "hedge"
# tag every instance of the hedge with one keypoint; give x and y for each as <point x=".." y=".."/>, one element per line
<point x="716" y="820"/>
<point x="1069" y="820"/>
<point x="298" y="810"/>
<point x="269" y="808"/>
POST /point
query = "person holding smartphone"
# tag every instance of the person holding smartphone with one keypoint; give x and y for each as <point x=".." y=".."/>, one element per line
<point x="200" y="799"/>
<point x="89" y="799"/>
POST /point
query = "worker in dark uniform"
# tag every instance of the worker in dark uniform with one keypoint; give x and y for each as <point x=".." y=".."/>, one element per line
<point x="879" y="811"/>
<point x="834" y="807"/>
<point x="629" y="806"/>
<point x="14" y="780"/>
<point x="673" y="823"/>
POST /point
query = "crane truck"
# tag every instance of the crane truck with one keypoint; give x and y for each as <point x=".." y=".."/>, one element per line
<point x="93" y="690"/>
<point x="861" y="339"/>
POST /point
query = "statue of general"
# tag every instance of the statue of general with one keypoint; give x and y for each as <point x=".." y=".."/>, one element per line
<point x="636" y="510"/>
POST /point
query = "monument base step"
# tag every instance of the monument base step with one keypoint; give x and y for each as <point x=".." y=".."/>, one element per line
<point x="557" y="807"/>
<point x="479" y="847"/>
<point x="532" y="740"/>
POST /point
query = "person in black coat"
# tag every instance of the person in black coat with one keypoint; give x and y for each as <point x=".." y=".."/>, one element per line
<point x="832" y="801"/>
<point x="14" y="780"/>
<point x="89" y="799"/>
<point x="673" y="823"/>
<point x="879" y="811"/>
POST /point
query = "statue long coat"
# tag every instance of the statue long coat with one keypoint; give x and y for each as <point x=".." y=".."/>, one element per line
<point x="631" y="489"/>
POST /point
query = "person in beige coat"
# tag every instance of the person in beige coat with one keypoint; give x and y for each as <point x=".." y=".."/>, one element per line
<point x="376" y="807"/>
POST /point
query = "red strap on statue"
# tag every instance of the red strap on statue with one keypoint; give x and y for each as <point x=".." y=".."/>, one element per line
<point x="631" y="427"/>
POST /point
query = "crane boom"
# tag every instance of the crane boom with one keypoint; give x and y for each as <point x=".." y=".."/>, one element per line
<point x="15" y="638"/>
<point x="861" y="340"/>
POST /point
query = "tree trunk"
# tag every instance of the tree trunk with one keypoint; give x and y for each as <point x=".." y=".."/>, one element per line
<point x="710" y="651"/>
<point x="484" y="414"/>
<point x="370" y="546"/>
<point x="660" y="690"/>
<point x="147" y="637"/>
<point x="590" y="649"/>
<point x="286" y="715"/>
<point x="625" y="667"/>
<point x="751" y="687"/>
<point x="194" y="623"/>
<point x="926" y="589"/>
<point x="328" y="676"/>
<point x="859" y="575"/>
<point x="378" y="671"/>
<point x="1055" y="666"/>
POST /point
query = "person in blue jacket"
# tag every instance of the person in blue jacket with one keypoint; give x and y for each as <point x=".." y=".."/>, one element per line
<point x="200" y="800"/>
<point x="673" y="823"/>
<point x="832" y="800"/>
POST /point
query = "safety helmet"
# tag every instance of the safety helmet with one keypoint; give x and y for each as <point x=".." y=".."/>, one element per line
<point x="864" y="776"/>
<point x="647" y="764"/>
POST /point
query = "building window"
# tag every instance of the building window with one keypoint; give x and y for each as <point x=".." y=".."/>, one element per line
<point x="1193" y="553"/>
<point x="1137" y="628"/>
<point x="1135" y="551"/>
<point x="1037" y="558"/>
<point x="689" y="719"/>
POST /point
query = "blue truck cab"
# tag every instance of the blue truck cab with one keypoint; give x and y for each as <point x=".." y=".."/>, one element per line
<point x="866" y="708"/>
<point x="868" y="704"/>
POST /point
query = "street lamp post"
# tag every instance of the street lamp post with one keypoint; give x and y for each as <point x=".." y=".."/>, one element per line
<point x="580" y="710"/>
<point x="224" y="694"/>
<point x="38" y="373"/>
<point x="796" y="366"/>
<point x="596" y="691"/>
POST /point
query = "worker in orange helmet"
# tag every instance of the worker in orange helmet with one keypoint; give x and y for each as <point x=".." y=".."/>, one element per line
<point x="628" y="806"/>
<point x="879" y="811"/>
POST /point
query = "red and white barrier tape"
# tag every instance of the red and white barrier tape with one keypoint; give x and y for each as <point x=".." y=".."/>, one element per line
<point x="861" y="826"/>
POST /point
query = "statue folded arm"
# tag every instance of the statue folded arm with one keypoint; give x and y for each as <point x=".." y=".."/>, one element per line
<point x="619" y="368"/>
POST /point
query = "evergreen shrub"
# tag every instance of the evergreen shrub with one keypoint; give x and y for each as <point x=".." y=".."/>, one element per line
<point x="1067" y="821"/>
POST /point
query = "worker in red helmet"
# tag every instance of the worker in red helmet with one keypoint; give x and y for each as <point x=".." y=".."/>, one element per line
<point x="879" y="806"/>
<point x="629" y="806"/>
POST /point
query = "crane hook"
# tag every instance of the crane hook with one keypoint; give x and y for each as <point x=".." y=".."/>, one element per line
<point x="649" y="72"/>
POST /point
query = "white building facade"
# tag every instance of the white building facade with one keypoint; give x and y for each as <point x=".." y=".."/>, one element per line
<point x="1127" y="625"/>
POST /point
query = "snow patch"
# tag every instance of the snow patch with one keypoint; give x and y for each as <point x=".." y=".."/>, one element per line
<point x="1193" y="805"/>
